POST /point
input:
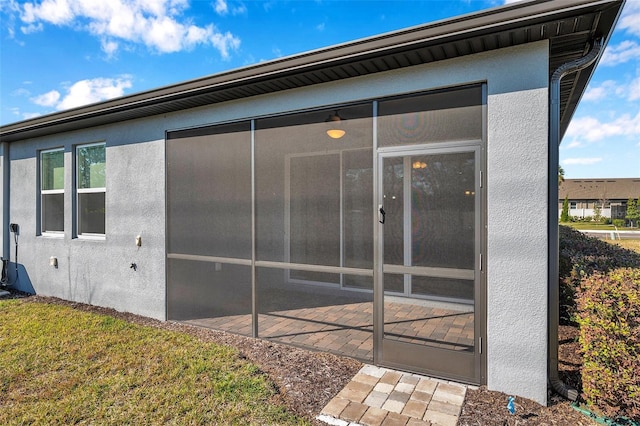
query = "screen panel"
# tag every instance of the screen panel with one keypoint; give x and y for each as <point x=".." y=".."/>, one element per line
<point x="211" y="294"/>
<point x="209" y="191"/>
<point x="451" y="115"/>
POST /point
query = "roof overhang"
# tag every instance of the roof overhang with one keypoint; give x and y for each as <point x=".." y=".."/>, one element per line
<point x="569" y="25"/>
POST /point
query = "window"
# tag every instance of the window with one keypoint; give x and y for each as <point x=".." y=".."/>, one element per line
<point x="573" y="205"/>
<point x="91" y="189"/>
<point x="52" y="191"/>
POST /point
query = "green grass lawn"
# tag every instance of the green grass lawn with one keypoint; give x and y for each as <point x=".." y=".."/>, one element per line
<point x="63" y="366"/>
<point x="628" y="244"/>
<point x="595" y="226"/>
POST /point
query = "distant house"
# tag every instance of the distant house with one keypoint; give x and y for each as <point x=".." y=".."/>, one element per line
<point x="359" y="199"/>
<point x="611" y="195"/>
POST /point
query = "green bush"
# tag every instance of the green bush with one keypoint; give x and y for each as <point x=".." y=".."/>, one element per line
<point x="609" y="319"/>
<point x="564" y="216"/>
<point x="582" y="256"/>
<point x="618" y="222"/>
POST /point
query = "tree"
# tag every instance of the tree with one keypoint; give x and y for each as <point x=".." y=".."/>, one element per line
<point x="597" y="212"/>
<point x="603" y="204"/>
<point x="560" y="175"/>
<point x="633" y="214"/>
<point x="564" y="217"/>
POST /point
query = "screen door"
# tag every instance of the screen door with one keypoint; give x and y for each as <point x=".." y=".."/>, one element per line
<point x="429" y="218"/>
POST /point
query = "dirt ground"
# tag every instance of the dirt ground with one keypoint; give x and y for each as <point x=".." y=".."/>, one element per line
<point x="308" y="380"/>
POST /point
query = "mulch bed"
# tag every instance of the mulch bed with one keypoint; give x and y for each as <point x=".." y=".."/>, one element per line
<point x="483" y="407"/>
<point x="308" y="380"/>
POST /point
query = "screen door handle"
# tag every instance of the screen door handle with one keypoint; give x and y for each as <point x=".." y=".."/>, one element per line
<point x="381" y="214"/>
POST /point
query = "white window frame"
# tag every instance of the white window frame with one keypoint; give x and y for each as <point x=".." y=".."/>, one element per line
<point x="44" y="192"/>
<point x="88" y="235"/>
<point x="573" y="205"/>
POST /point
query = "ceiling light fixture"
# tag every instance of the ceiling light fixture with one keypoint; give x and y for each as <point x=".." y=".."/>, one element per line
<point x="335" y="132"/>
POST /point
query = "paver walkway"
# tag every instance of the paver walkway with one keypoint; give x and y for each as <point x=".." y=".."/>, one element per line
<point x="380" y="396"/>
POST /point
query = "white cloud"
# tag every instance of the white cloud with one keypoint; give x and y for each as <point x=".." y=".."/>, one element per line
<point x="28" y="115"/>
<point x="47" y="99"/>
<point x="57" y="12"/>
<point x="582" y="161"/>
<point x="24" y="115"/>
<point x="109" y="47"/>
<point x="572" y="144"/>
<point x="221" y="7"/>
<point x="85" y="92"/>
<point x="155" y="23"/>
<point x="629" y="90"/>
<point x="32" y="28"/>
<point x="320" y="27"/>
<point x="592" y="130"/>
<point x="223" y="42"/>
<point x="240" y="9"/>
<point x="595" y="93"/>
<point x="624" y="52"/>
<point x="630" y="18"/>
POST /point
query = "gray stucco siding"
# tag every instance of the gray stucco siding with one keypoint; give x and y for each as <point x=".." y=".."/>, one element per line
<point x="97" y="271"/>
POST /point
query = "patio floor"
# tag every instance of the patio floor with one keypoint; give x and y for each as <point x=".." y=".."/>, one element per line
<point x="346" y="327"/>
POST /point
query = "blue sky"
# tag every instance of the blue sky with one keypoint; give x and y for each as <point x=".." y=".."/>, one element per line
<point x="59" y="54"/>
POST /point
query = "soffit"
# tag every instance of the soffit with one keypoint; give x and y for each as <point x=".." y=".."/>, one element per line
<point x="569" y="25"/>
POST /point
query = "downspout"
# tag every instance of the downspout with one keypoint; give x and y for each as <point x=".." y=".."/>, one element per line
<point x="554" y="242"/>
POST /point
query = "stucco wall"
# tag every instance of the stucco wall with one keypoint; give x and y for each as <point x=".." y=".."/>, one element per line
<point x="515" y="179"/>
<point x="93" y="270"/>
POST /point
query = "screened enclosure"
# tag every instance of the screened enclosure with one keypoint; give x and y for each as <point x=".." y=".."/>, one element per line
<point x="312" y="222"/>
<point x="272" y="223"/>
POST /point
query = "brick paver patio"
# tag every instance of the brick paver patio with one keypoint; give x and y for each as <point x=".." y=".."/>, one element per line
<point x="347" y="328"/>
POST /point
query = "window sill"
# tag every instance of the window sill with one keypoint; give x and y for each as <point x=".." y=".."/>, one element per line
<point x="92" y="237"/>
<point x="52" y="234"/>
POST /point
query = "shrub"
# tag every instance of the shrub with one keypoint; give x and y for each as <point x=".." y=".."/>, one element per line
<point x="609" y="319"/>
<point x="582" y="256"/>
<point x="564" y="216"/>
<point x="618" y="222"/>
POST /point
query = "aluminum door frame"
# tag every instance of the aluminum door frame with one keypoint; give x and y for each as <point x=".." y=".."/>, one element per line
<point x="443" y="363"/>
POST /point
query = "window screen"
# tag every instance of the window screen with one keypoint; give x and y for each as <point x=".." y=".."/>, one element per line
<point x="91" y="189"/>
<point x="52" y="190"/>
